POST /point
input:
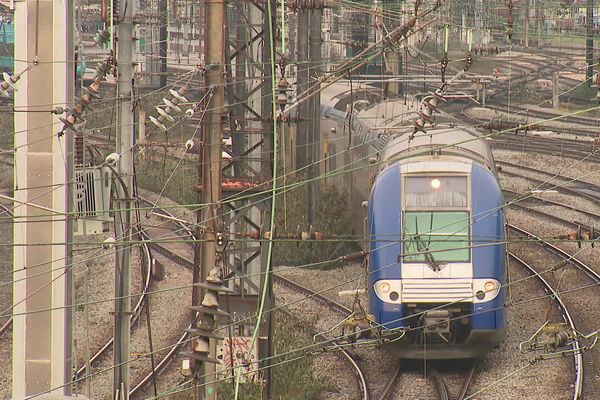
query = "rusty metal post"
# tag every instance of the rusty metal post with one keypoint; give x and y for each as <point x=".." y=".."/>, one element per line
<point x="209" y="170"/>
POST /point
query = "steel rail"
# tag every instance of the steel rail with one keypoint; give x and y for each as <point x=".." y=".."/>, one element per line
<point x="365" y="395"/>
<point x="185" y="337"/>
<point x="137" y="310"/>
<point x="362" y="382"/>
<point x="553" y="176"/>
<point x="463" y="391"/>
<point x="79" y="374"/>
<point x="442" y="388"/>
<point x="439" y="384"/>
<point x="578" y="354"/>
<point x="387" y="389"/>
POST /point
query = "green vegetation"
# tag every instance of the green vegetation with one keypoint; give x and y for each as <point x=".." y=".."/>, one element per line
<point x="293" y="380"/>
<point x="153" y="171"/>
<point x="333" y="219"/>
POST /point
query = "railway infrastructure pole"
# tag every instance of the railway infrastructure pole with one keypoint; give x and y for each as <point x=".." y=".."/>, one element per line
<point x="163" y="12"/>
<point x="124" y="201"/>
<point x="303" y="80"/>
<point x="42" y="340"/>
<point x="314" y="105"/>
<point x="589" y="42"/>
<point x="209" y="215"/>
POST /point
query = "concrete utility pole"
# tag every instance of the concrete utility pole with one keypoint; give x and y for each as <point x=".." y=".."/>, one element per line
<point x="314" y="105"/>
<point x="123" y="223"/>
<point x="42" y="341"/>
<point x="210" y="176"/>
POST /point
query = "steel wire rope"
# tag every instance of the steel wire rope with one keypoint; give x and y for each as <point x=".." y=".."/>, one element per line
<point x="511" y="129"/>
<point x="328" y="341"/>
<point x="586" y="174"/>
<point x="549" y="270"/>
<point x="309" y="347"/>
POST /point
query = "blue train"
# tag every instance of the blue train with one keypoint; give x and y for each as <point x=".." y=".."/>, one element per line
<point x="434" y="228"/>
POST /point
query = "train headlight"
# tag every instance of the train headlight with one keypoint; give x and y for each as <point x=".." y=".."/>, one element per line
<point x="435" y="184"/>
<point x="384" y="287"/>
<point x="489" y="286"/>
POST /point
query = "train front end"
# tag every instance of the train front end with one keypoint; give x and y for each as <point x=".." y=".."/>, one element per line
<point x="437" y="263"/>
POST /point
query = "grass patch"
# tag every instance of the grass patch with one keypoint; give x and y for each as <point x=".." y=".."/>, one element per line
<point x="153" y="171"/>
<point x="291" y="381"/>
<point x="333" y="218"/>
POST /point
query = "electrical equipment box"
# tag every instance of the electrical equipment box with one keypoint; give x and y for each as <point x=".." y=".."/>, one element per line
<point x="92" y="190"/>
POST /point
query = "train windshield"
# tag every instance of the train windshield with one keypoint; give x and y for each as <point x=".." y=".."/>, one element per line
<point x="432" y="237"/>
<point x="435" y="192"/>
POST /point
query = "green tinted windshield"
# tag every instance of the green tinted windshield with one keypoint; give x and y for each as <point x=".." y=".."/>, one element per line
<point x="444" y="234"/>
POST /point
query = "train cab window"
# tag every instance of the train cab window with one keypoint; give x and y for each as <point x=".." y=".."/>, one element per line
<point x="426" y="192"/>
<point x="440" y="236"/>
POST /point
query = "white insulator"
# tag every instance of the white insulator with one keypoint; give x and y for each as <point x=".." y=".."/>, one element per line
<point x="210" y="300"/>
<point x="178" y="96"/>
<point x="4" y="93"/>
<point x="189" y="112"/>
<point x="158" y="123"/>
<point x="112" y="158"/>
<point x="9" y="81"/>
<point x="202" y="345"/>
<point x="189" y="144"/>
<point x="172" y="105"/>
<point x="108" y="243"/>
<point x="186" y="367"/>
<point x="165" y="114"/>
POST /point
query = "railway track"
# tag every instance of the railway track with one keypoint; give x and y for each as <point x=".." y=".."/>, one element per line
<point x="389" y="385"/>
<point x="441" y="386"/>
<point x="338" y="308"/>
<point x="346" y="355"/>
<point x="584" y="359"/>
<point x="559" y="147"/>
<point x="80" y="373"/>
<point x="166" y="360"/>
<point x="578" y="361"/>
<point x="556" y="182"/>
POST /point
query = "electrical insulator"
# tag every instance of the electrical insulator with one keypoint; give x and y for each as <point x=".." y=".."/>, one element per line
<point x="204" y="328"/>
<point x="8" y="84"/>
<point x="116" y="13"/>
<point x="469" y="61"/>
<point x="172" y="105"/>
<point x="102" y="37"/>
<point x="282" y="90"/>
<point x="103" y="68"/>
<point x="429" y="106"/>
<point x="167" y="109"/>
<point x="443" y="67"/>
<point x="179" y="96"/>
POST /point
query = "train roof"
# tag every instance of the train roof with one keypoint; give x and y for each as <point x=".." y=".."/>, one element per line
<point x="441" y="140"/>
<point x="387" y="124"/>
